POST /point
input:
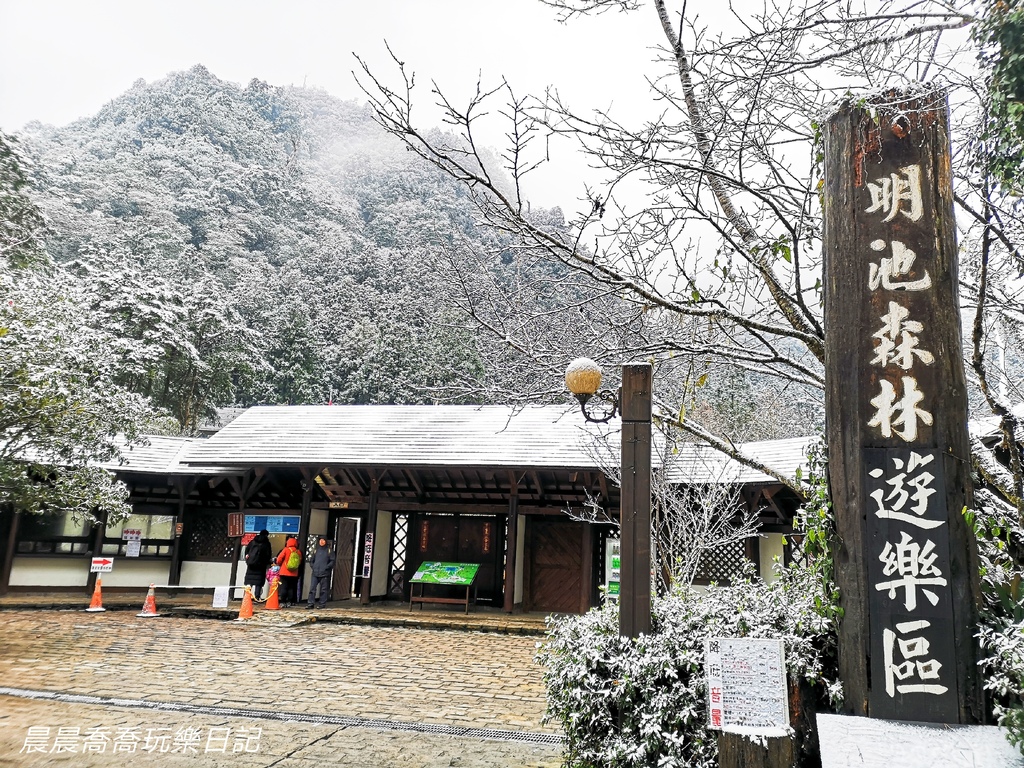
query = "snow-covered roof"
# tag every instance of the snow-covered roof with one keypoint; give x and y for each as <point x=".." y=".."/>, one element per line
<point x="406" y="435"/>
<point x="163" y="455"/>
<point x="694" y="463"/>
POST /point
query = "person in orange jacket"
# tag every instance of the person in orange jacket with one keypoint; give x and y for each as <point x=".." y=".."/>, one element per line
<point x="289" y="576"/>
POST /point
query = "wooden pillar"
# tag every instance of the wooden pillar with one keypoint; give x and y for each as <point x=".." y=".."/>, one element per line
<point x="371" y="530"/>
<point x="10" y="552"/>
<point x="308" y="481"/>
<point x="184" y="486"/>
<point x="896" y="414"/>
<point x="635" y="513"/>
<point x="97" y="549"/>
<point x="511" y="545"/>
<point x="246" y="488"/>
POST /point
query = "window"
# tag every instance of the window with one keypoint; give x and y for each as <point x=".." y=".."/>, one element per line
<point x="156" y="532"/>
<point x="47" y="534"/>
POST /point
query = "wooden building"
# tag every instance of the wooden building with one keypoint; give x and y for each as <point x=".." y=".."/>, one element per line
<point x="392" y="486"/>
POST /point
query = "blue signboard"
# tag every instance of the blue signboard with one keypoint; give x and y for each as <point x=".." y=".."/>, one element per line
<point x="272" y="523"/>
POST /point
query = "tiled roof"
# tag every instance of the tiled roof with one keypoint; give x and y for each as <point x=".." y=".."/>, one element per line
<point x="163" y="456"/>
<point x="409" y="435"/>
<point x="703" y="464"/>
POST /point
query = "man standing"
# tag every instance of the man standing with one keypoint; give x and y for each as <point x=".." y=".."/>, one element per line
<point x="322" y="565"/>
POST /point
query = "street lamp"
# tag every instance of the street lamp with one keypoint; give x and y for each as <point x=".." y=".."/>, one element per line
<point x="633" y="403"/>
<point x="583" y="378"/>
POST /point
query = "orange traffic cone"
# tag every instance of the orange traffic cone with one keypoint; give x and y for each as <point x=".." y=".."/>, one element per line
<point x="273" y="602"/>
<point x="246" y="610"/>
<point x="149" y="607"/>
<point x="97" y="598"/>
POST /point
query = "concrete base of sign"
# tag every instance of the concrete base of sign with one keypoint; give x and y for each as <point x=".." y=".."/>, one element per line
<point x="852" y="742"/>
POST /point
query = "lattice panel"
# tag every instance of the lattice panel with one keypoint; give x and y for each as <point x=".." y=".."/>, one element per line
<point x="722" y="564"/>
<point x="208" y="538"/>
<point x="795" y="551"/>
<point x="399" y="550"/>
<point x="399" y="541"/>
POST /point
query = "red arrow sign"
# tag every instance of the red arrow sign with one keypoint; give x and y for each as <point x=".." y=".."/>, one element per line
<point x="102" y="562"/>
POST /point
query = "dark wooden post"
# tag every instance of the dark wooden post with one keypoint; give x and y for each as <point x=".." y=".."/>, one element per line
<point x="907" y="566"/>
<point x="635" y="510"/>
<point x="184" y="487"/>
<point x="98" y="530"/>
<point x="245" y="487"/>
<point x="10" y="550"/>
<point x="511" y="544"/>
<point x="308" y="481"/>
<point x="371" y="527"/>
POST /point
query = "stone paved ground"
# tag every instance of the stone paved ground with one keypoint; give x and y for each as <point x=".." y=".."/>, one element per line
<point x="466" y="679"/>
<point x="279" y="744"/>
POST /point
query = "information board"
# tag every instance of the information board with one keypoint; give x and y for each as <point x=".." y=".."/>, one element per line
<point x="747" y="686"/>
<point x="102" y="565"/>
<point x="272" y="523"/>
<point x="455" y="574"/>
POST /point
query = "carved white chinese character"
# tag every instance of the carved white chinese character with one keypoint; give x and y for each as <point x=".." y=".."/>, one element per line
<point x="889" y="194"/>
<point x="915" y="566"/>
<point x="913" y="650"/>
<point x="903" y="412"/>
<point x="887" y="273"/>
<point x="894" y="506"/>
<point x="897" y="342"/>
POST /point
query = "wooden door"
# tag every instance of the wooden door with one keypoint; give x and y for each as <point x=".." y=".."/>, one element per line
<point x="554" y="563"/>
<point x="479" y="543"/>
<point x="437" y="539"/>
<point x="345" y="550"/>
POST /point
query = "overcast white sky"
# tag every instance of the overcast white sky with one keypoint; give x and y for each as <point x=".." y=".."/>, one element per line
<point x="63" y="59"/>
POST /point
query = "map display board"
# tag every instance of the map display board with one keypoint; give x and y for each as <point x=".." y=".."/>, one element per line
<point x="452" y="574"/>
<point x="747" y="686"/>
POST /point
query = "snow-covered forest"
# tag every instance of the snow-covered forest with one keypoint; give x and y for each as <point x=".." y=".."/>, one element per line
<point x="255" y="244"/>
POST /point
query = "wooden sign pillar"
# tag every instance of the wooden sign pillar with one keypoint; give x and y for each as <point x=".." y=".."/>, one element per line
<point x="899" y="457"/>
<point x="635" y="506"/>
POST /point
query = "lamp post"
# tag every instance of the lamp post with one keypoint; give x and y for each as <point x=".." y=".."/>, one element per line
<point x="633" y="404"/>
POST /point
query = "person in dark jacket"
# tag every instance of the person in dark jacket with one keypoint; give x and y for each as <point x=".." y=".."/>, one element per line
<point x="322" y="565"/>
<point x="258" y="554"/>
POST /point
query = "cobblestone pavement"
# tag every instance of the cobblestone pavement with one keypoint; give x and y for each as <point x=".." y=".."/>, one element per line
<point x="402" y="675"/>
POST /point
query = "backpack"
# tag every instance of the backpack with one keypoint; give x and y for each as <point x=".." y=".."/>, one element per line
<point x="254" y="556"/>
<point x="294" y="560"/>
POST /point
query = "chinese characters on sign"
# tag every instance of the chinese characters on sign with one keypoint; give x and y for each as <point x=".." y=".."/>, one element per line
<point x="747" y="686"/>
<point x="123" y="740"/>
<point x="906" y="535"/>
<point x="367" y="555"/>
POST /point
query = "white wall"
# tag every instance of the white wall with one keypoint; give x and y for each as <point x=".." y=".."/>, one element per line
<point x="381" y="551"/>
<point x="196" y="574"/>
<point x="52" y="572"/>
<point x="772" y="548"/>
<point x="132" y="572"/>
